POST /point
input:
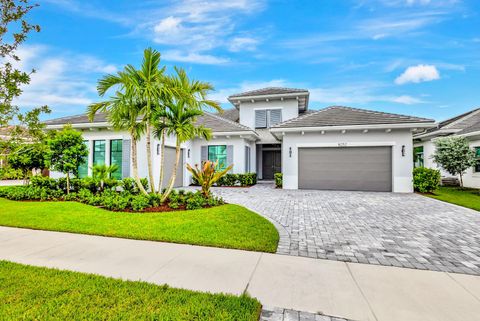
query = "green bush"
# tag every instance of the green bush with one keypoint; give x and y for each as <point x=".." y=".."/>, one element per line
<point x="140" y="202"/>
<point x="278" y="180"/>
<point x="247" y="179"/>
<point x="11" y="173"/>
<point x="426" y="180"/>
<point x="44" y="182"/>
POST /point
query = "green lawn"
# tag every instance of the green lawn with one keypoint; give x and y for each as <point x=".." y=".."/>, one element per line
<point x="466" y="197"/>
<point x="228" y="226"/>
<point x="33" y="293"/>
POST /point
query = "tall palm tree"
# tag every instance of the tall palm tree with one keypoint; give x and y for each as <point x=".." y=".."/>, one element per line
<point x="146" y="87"/>
<point x="123" y="113"/>
<point x="192" y="94"/>
<point x="179" y="119"/>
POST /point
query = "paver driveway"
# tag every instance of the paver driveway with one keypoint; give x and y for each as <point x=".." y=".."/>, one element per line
<point x="404" y="230"/>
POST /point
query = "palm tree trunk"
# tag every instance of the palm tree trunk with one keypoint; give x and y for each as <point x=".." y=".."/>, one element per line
<point x="149" y="159"/>
<point x="162" y="163"/>
<point x="68" y="183"/>
<point x="135" y="167"/>
<point x="174" y="172"/>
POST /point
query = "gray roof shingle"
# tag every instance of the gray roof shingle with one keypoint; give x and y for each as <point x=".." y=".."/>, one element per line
<point x="346" y="116"/>
<point x="464" y="123"/>
<point x="215" y="122"/>
<point x="269" y="91"/>
<point x="231" y="114"/>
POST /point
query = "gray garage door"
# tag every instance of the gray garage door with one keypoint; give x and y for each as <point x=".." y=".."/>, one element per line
<point x="169" y="163"/>
<point x="345" y="168"/>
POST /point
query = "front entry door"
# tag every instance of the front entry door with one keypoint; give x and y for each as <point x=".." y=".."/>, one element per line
<point x="272" y="163"/>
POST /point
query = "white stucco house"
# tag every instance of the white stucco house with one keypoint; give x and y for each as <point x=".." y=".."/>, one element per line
<point x="466" y="125"/>
<point x="272" y="130"/>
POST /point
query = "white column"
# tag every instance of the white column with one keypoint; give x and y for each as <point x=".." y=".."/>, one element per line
<point x="90" y="157"/>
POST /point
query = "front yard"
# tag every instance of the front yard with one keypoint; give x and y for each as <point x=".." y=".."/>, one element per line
<point x="467" y="197"/>
<point x="227" y="226"/>
<point x="33" y="293"/>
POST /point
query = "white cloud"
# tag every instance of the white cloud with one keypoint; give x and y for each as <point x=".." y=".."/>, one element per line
<point x="417" y="74"/>
<point x="62" y="80"/>
<point x="198" y="58"/>
<point x="407" y="100"/>
<point x="243" y="44"/>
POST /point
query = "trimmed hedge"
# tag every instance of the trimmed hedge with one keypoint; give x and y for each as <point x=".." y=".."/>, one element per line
<point x="278" y="177"/>
<point x="247" y="179"/>
<point x="426" y="180"/>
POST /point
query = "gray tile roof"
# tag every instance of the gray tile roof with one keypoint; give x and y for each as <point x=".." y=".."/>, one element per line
<point x="77" y="119"/>
<point x="346" y="116"/>
<point x="269" y="91"/>
<point x="231" y="114"/>
<point x="464" y="123"/>
<point x="219" y="124"/>
<point x="215" y="122"/>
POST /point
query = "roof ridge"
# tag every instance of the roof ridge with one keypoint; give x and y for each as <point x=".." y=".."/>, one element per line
<point x="462" y="117"/>
<point x="267" y="88"/>
<point x="66" y="117"/>
<point x="378" y="112"/>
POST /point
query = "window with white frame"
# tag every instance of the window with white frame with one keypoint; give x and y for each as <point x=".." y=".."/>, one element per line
<point x="266" y="118"/>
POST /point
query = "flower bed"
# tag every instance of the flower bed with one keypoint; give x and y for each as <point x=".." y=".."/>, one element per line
<point x="87" y="191"/>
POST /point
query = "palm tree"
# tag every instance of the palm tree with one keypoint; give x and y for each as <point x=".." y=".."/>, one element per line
<point x="179" y="119"/>
<point x="102" y="172"/>
<point x="146" y="87"/>
<point x="123" y="114"/>
<point x="191" y="93"/>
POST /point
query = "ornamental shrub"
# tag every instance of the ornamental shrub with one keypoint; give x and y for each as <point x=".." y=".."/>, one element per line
<point x="278" y="177"/>
<point x="426" y="180"/>
<point x="140" y="202"/>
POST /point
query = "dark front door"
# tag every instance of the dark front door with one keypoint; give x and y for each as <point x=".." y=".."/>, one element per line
<point x="272" y="163"/>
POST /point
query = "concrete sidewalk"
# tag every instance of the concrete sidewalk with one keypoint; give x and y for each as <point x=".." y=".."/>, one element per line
<point x="348" y="290"/>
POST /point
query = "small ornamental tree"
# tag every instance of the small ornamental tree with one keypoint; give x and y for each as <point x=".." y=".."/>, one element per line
<point x="454" y="155"/>
<point x="67" y="151"/>
<point x="28" y="157"/>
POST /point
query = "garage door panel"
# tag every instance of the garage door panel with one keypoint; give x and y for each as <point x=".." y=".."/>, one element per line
<point x="347" y="168"/>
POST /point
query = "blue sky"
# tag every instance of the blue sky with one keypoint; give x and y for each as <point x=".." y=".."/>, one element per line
<point x="419" y="57"/>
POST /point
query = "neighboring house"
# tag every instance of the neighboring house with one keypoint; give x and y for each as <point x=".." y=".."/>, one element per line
<point x="466" y="125"/>
<point x="271" y="130"/>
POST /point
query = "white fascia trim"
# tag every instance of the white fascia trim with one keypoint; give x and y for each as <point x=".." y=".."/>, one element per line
<point x="352" y="127"/>
<point x="81" y="125"/>
<point x="240" y="133"/>
<point x="345" y="144"/>
<point x="291" y="95"/>
<point x="476" y="133"/>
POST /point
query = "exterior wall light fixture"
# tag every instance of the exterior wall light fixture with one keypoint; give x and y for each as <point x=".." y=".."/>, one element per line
<point x="403" y="150"/>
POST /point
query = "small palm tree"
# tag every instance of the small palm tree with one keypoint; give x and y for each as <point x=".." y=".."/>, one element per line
<point x="145" y="87"/>
<point x="179" y="120"/>
<point x="182" y="93"/>
<point x="103" y="172"/>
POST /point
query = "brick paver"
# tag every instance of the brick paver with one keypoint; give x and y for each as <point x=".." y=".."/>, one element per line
<point x="277" y="314"/>
<point x="404" y="230"/>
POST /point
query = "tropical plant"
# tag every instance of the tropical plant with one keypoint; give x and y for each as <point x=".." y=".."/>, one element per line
<point x="182" y="94"/>
<point x="138" y="92"/>
<point x="179" y="120"/>
<point x="454" y="155"/>
<point x="66" y="152"/>
<point x="207" y="175"/>
<point x="103" y="172"/>
<point x="278" y="177"/>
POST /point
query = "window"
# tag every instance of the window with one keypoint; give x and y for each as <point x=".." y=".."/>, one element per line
<point x="477" y="165"/>
<point x="116" y="157"/>
<point x="266" y="118"/>
<point x="218" y="153"/>
<point x="98" y="152"/>
<point x="418" y="157"/>
<point x="83" y="168"/>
